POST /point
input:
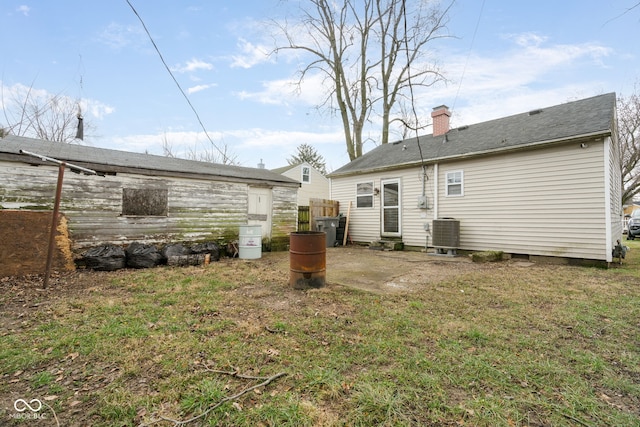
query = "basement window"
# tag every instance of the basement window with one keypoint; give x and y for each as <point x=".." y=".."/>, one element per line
<point x="364" y="195"/>
<point x="454" y="183"/>
<point x="145" y="201"/>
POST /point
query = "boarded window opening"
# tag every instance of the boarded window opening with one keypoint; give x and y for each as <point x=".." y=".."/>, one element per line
<point x="145" y="201"/>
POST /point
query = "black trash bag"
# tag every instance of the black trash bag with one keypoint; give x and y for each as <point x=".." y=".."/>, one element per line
<point x="105" y="258"/>
<point x="173" y="250"/>
<point x="211" y="248"/>
<point x="140" y="255"/>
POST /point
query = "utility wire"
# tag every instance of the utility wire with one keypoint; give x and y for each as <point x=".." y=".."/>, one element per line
<point x="466" y="64"/>
<point x="224" y="156"/>
<point x="413" y="104"/>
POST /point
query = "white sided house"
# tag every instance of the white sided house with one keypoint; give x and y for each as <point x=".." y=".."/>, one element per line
<point x="146" y="198"/>
<point x="313" y="184"/>
<point x="546" y="183"/>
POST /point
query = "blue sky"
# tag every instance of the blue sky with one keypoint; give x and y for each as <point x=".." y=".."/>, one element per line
<point x="524" y="55"/>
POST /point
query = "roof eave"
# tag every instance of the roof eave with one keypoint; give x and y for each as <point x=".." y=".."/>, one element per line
<point x="537" y="144"/>
<point x="107" y="168"/>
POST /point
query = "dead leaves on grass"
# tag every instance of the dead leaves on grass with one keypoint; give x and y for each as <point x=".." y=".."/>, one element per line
<point x="257" y="388"/>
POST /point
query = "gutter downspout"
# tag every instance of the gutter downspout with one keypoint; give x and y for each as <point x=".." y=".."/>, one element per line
<point x="435" y="190"/>
<point x="607" y="200"/>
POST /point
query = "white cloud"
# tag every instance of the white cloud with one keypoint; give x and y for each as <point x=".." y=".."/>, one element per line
<point x="250" y="55"/>
<point x="527" y="39"/>
<point x="264" y="138"/>
<point x="14" y="96"/>
<point x="200" y="88"/>
<point x="248" y="146"/>
<point x="275" y="92"/>
<point x="24" y="9"/>
<point x="96" y="108"/>
<point x="181" y="144"/>
<point x="311" y="91"/>
<point x="533" y="73"/>
<point x="118" y="36"/>
<point x="193" y="65"/>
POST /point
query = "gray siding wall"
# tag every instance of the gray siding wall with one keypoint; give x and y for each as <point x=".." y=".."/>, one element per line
<point x="197" y="209"/>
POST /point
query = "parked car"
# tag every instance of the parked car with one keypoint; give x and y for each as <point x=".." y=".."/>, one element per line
<point x="634" y="225"/>
<point x="625" y="224"/>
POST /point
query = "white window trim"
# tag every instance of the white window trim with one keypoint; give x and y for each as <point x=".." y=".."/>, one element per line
<point x="398" y="207"/>
<point x="372" y="194"/>
<point x="308" y="181"/>
<point x="461" y="183"/>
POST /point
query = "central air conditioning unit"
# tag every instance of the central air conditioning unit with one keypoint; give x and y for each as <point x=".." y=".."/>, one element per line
<point x="446" y="235"/>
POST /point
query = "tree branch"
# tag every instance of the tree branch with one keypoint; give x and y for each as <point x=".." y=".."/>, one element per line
<point x="267" y="381"/>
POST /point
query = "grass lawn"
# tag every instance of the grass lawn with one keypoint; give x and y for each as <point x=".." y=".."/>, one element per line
<point x="511" y="345"/>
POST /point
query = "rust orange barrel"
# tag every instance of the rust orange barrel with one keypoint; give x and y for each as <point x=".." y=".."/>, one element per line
<point x="307" y="259"/>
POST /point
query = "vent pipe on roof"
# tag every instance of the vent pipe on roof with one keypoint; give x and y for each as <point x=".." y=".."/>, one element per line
<point x="440" y="116"/>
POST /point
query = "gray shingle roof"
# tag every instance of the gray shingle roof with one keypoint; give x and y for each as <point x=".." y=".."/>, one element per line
<point x="590" y="116"/>
<point x="284" y="169"/>
<point x="105" y="160"/>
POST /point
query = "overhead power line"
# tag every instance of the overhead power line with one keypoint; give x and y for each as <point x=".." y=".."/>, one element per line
<point x="466" y="64"/>
<point x="222" y="153"/>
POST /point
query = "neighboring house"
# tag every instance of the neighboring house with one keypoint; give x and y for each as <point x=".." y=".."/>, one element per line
<point x="146" y="198"/>
<point x="629" y="209"/>
<point x="313" y="184"/>
<point x="542" y="183"/>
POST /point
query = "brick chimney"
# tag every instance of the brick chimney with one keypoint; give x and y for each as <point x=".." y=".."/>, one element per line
<point x="440" y="116"/>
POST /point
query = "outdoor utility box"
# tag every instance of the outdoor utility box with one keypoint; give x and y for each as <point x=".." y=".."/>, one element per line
<point x="328" y="225"/>
<point x="446" y="235"/>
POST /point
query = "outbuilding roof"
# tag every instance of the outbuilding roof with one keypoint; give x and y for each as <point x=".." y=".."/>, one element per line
<point x="115" y="161"/>
<point x="590" y="117"/>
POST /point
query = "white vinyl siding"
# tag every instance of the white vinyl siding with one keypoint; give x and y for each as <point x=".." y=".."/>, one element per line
<point x="615" y="193"/>
<point x="548" y="202"/>
<point x="364" y="224"/>
<point x="551" y="201"/>
<point x="317" y="186"/>
<point x="413" y="217"/>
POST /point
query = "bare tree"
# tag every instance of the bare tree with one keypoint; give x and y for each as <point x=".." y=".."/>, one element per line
<point x="371" y="53"/>
<point x="45" y="116"/>
<point x="220" y="155"/>
<point x="629" y="139"/>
